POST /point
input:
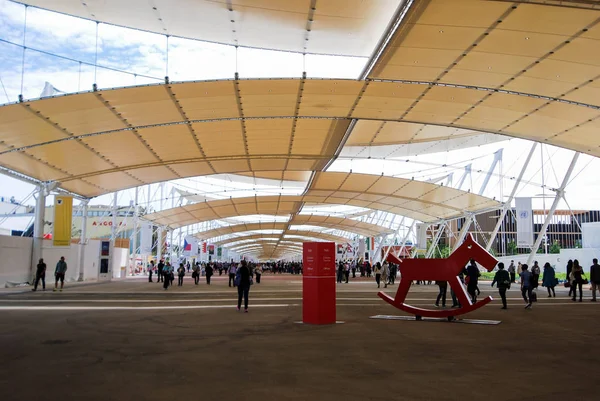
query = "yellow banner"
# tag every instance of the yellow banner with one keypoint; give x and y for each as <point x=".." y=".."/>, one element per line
<point x="63" y="216"/>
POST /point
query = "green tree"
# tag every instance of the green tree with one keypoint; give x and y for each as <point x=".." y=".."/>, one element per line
<point x="511" y="248"/>
<point x="555" y="247"/>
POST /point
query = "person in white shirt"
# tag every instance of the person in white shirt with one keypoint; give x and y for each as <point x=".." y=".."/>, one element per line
<point x="232" y="270"/>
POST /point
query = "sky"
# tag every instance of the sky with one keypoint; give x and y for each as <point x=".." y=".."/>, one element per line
<point x="135" y="58"/>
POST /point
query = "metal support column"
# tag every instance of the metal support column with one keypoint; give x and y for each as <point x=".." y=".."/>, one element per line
<point x="436" y="240"/>
<point x="38" y="229"/>
<point x="134" y="233"/>
<point x="463" y="232"/>
<point x="560" y="193"/>
<point x="507" y="204"/>
<point x="82" y="239"/>
<point x="113" y="236"/>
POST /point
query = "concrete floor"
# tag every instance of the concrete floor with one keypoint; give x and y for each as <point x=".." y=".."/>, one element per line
<point x="131" y="340"/>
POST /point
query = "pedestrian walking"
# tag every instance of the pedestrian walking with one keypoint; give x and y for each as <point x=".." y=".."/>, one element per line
<point x="578" y="279"/>
<point x="243" y="280"/>
<point x="258" y="273"/>
<point x="535" y="275"/>
<point x="166" y="273"/>
<point x="160" y="275"/>
<point x="502" y="279"/>
<point x="181" y="275"/>
<point x="231" y="271"/>
<point x="150" y="271"/>
<point x="40" y="274"/>
<point x="569" y="277"/>
<point x="511" y="271"/>
<point x="526" y="287"/>
<point x="549" y="280"/>
<point x="595" y="279"/>
<point x="443" y="286"/>
<point x="209" y="272"/>
<point x="472" y="278"/>
<point x="377" y="271"/>
<point x="385" y="274"/>
<point x="59" y="273"/>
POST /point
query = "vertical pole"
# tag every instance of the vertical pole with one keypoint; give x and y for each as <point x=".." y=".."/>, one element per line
<point x="134" y="234"/>
<point x="463" y="232"/>
<point x="38" y="229"/>
<point x="113" y="235"/>
<point x="508" y="202"/>
<point x="560" y="193"/>
<point x="83" y="239"/>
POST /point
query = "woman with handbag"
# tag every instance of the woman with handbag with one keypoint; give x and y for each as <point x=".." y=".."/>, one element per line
<point x="549" y="280"/>
<point x="578" y="280"/>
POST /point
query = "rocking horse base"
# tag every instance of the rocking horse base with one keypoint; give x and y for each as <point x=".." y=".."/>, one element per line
<point x="450" y="319"/>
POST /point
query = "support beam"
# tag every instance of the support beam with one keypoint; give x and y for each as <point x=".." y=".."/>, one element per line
<point x="507" y="204"/>
<point x="134" y="233"/>
<point x="436" y="240"/>
<point x="113" y="235"/>
<point x="560" y="193"/>
<point x="38" y="229"/>
<point x="463" y="232"/>
<point x="82" y="239"/>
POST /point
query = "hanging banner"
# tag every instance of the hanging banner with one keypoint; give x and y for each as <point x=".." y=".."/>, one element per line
<point x="145" y="238"/>
<point x="219" y="252"/>
<point x="361" y="247"/>
<point x="370" y="241"/>
<point x="211" y="250"/>
<point x="340" y="249"/>
<point x="190" y="246"/>
<point x="524" y="222"/>
<point x="63" y="220"/>
<point x="204" y="247"/>
<point x="421" y="236"/>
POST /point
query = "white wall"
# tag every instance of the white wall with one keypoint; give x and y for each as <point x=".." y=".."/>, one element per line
<point x="15" y="259"/>
<point x="119" y="262"/>
<point x="558" y="260"/>
<point x="52" y="255"/>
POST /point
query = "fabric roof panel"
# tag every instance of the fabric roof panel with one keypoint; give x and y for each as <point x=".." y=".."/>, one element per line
<point x="519" y="43"/>
<point x="207" y="99"/>
<point x="144" y="105"/>
<point x="113" y="181"/>
<point x="20" y="126"/>
<point x="552" y="21"/>
<point x="192" y="169"/>
<point x="81" y="113"/>
<point x="268" y="164"/>
<point x="153" y="174"/>
<point x="171" y="143"/>
<point x="122" y="148"/>
<point x="230" y="166"/>
<point x="71" y="156"/>
<point x="539" y="86"/>
<point x="328" y="97"/>
<point x="81" y="187"/>
<point x="467" y="13"/>
<point x="25" y="164"/>
<point x="220" y="138"/>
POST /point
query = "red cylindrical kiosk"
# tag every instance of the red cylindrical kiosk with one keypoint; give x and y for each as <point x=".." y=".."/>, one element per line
<point x="318" y="283"/>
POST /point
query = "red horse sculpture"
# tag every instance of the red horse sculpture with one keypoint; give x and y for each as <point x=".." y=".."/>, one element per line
<point x="440" y="270"/>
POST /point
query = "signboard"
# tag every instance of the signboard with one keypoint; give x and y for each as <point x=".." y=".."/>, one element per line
<point x="318" y="283"/>
<point x="146" y="238"/>
<point x="524" y="211"/>
<point x="63" y="220"/>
